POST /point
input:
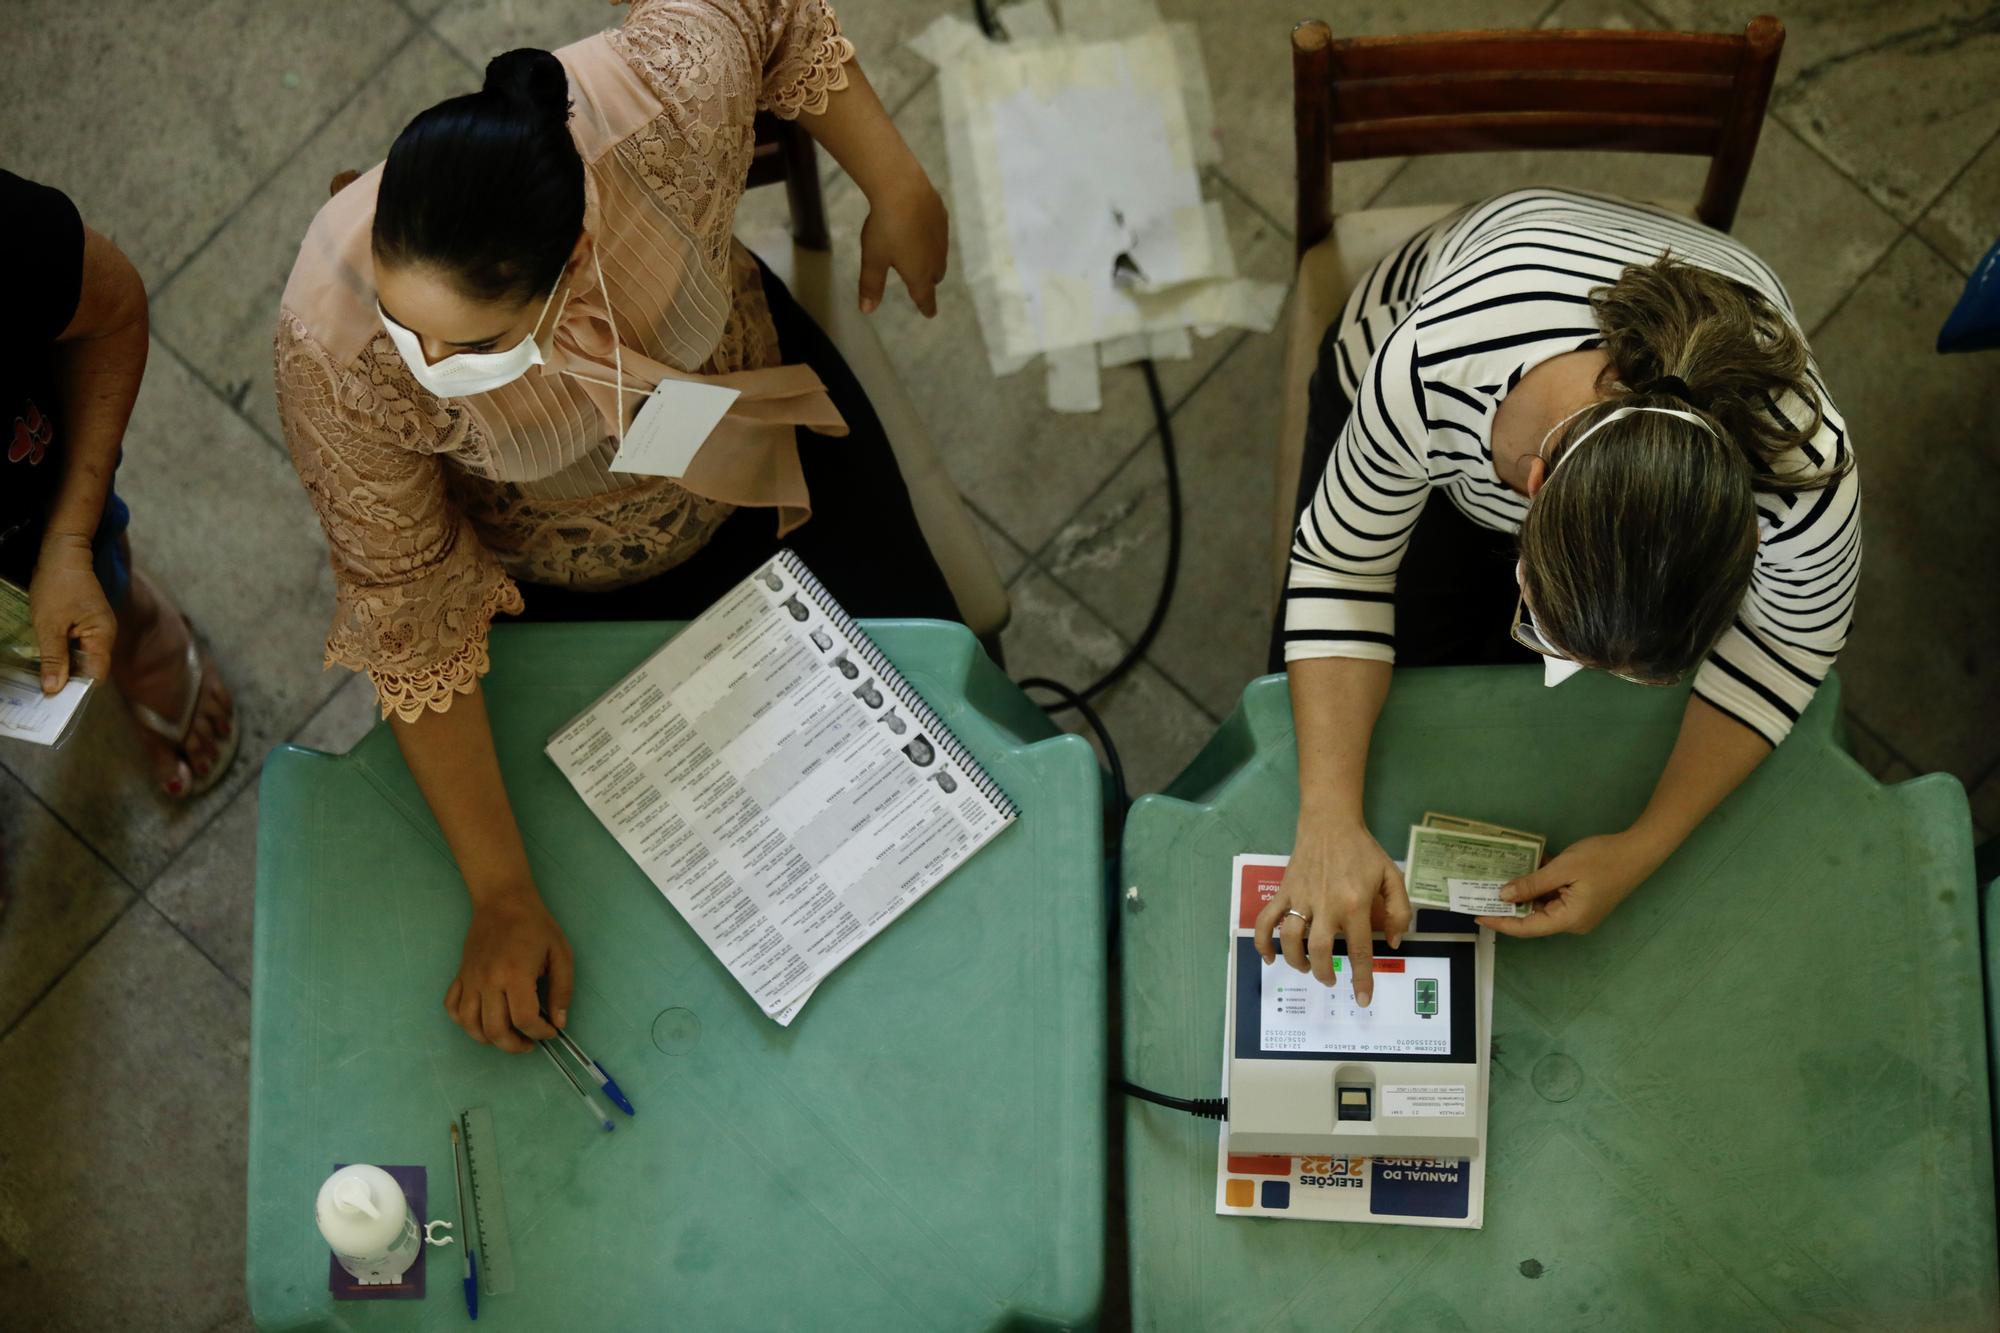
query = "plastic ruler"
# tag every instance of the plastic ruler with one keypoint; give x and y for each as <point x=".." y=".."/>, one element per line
<point x="489" y="1208"/>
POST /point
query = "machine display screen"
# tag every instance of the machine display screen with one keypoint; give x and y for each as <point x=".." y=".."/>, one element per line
<point x="1412" y="1015"/>
<point x="1402" y="1018"/>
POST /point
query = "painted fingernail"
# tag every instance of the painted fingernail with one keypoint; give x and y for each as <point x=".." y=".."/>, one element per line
<point x="174" y="785"/>
<point x="201" y="770"/>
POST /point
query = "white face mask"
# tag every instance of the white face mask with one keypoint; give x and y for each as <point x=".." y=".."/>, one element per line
<point x="465" y="373"/>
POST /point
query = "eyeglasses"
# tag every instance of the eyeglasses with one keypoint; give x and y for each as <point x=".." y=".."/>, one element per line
<point x="1523" y="632"/>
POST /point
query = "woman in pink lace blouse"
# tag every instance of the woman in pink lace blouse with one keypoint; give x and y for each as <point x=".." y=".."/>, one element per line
<point x="469" y="331"/>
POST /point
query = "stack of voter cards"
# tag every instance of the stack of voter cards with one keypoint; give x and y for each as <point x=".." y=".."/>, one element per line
<point x="1460" y="865"/>
<point x="26" y="714"/>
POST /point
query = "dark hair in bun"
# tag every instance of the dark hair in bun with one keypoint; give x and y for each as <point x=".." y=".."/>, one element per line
<point x="488" y="187"/>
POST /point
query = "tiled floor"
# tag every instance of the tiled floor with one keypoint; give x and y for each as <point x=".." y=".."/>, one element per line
<point x="200" y="137"/>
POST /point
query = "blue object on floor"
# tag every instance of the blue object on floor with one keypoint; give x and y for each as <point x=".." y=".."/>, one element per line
<point x="1974" y="323"/>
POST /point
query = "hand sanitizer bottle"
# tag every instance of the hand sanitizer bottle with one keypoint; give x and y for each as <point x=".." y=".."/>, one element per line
<point x="367" y="1224"/>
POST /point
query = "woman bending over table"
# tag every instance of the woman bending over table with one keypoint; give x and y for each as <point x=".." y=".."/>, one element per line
<point x="1645" y="475"/>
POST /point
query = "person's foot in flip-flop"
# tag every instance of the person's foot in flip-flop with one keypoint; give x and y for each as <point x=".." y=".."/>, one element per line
<point x="185" y="715"/>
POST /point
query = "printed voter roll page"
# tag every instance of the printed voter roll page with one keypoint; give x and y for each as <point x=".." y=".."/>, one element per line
<point x="767" y="778"/>
<point x="1298" y="1014"/>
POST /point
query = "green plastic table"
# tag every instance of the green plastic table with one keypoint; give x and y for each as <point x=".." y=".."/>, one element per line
<point x="1756" y="1097"/>
<point x="922" y="1149"/>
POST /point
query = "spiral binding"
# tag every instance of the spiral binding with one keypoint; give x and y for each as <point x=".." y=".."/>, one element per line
<point x="925" y="716"/>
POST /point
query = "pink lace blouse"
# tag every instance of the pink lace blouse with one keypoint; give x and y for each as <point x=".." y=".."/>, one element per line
<point x="432" y="507"/>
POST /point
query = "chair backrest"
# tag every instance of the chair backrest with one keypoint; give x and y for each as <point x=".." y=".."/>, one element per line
<point x="784" y="154"/>
<point x="1696" y="93"/>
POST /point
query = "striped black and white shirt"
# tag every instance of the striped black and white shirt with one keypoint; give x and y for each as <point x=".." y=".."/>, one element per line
<point x="1430" y="342"/>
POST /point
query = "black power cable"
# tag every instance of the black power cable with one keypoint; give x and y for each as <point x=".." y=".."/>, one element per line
<point x="1208" y="1108"/>
<point x="1212" y="1108"/>
<point x="1163" y="427"/>
<point x="1121" y="798"/>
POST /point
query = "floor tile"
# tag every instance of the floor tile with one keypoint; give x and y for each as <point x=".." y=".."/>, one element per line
<point x="219" y="311"/>
<point x="344" y="719"/>
<point x="1112" y="553"/>
<point x="1813" y="225"/>
<point x="221" y="520"/>
<point x="1157" y="730"/>
<point x="1922" y="666"/>
<point x="1965" y="221"/>
<point x="208" y="890"/>
<point x="481" y="29"/>
<point x="879" y="29"/>
<point x="1246" y="45"/>
<point x="158" y="119"/>
<point x="125" y="1096"/>
<point x="1024" y="466"/>
<point x="1986" y="806"/>
<point x="1899" y="96"/>
<point x="60" y="898"/>
<point x="1874" y="754"/>
<point x="1008" y="558"/>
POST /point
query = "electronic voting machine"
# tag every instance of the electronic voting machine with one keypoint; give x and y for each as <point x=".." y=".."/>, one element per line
<point x="1312" y="1072"/>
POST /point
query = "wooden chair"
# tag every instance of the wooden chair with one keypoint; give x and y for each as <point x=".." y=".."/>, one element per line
<point x="1700" y="94"/>
<point x="785" y="155"/>
<point x="825" y="289"/>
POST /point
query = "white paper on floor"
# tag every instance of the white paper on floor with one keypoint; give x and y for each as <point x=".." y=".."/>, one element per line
<point x="1073" y="383"/>
<point x="947" y="38"/>
<point x="1029" y="20"/>
<point x="1075" y="179"/>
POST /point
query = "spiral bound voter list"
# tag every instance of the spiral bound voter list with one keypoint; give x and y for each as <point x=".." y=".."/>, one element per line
<point x="780" y="782"/>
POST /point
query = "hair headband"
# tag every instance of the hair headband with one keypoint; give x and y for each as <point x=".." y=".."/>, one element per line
<point x="1616" y="414"/>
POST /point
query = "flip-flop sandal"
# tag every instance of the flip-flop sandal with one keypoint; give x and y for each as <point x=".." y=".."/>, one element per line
<point x="175" y="734"/>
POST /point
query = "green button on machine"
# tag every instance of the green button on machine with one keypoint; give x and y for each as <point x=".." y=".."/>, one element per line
<point x="922" y="1149"/>
<point x="1756" y="1097"/>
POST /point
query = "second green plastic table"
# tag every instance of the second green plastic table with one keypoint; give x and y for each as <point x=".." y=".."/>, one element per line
<point x="1756" y="1097"/>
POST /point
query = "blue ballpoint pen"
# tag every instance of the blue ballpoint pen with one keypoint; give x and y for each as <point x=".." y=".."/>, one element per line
<point x="589" y="1103"/>
<point x="596" y="1071"/>
<point x="464" y="1237"/>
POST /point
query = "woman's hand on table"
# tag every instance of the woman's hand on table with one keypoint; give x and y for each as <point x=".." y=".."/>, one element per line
<point x="1341" y="882"/>
<point x="67" y="604"/>
<point x="907" y="230"/>
<point x="510" y="944"/>
<point x="1580" y="887"/>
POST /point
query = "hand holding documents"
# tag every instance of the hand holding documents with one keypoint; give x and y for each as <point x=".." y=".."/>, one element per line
<point x="26" y="714"/>
<point x="780" y="782"/>
<point x="1459" y="865"/>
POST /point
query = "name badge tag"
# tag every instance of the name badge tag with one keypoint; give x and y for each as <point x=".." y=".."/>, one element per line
<point x="671" y="426"/>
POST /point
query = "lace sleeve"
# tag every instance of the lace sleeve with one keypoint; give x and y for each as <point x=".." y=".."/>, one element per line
<point x="786" y="56"/>
<point x="415" y="591"/>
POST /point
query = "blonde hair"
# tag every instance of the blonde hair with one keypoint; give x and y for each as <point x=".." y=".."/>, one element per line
<point x="1638" y="555"/>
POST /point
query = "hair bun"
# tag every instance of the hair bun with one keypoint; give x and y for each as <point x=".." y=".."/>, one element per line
<point x="533" y="79"/>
